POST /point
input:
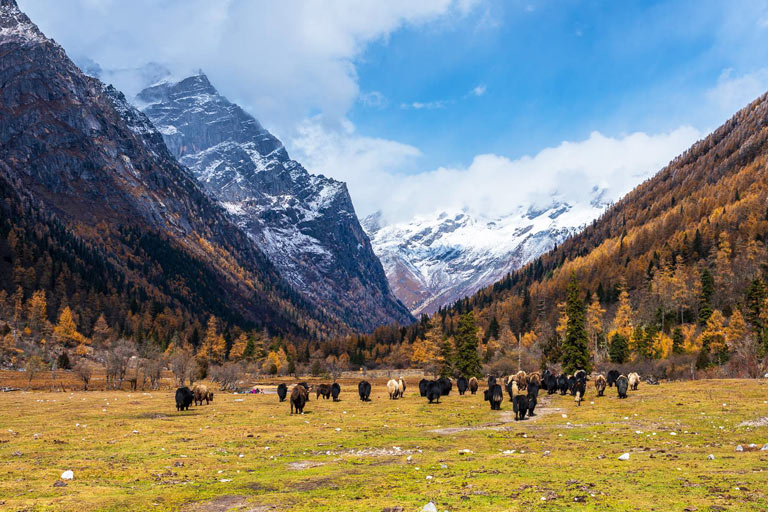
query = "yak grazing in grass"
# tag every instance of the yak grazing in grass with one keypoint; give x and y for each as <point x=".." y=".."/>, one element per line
<point x="612" y="376"/>
<point x="494" y="395"/>
<point x="434" y="391"/>
<point x="200" y="392"/>
<point x="520" y="406"/>
<point x="364" y="390"/>
<point x="445" y="386"/>
<point x="335" y="390"/>
<point x="600" y="384"/>
<point x="622" y="384"/>
<point x="533" y="397"/>
<point x="282" y="391"/>
<point x="423" y="385"/>
<point x="473" y="385"/>
<point x="551" y="381"/>
<point x="299" y="396"/>
<point x="392" y="388"/>
<point x="184" y="398"/>
<point x="324" y="390"/>
<point x="562" y="383"/>
<point x="634" y="381"/>
<point x="462" y="384"/>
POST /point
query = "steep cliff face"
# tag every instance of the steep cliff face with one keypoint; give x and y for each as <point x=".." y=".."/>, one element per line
<point x="74" y="150"/>
<point x="306" y="224"/>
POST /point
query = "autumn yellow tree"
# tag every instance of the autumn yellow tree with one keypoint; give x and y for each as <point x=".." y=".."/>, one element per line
<point x="37" y="312"/>
<point x="595" y="314"/>
<point x="211" y="338"/>
<point x="622" y="321"/>
<point x="736" y="330"/>
<point x="65" y="331"/>
<point x="713" y="338"/>
<point x="101" y="331"/>
<point x="238" y="347"/>
<point x="562" y="321"/>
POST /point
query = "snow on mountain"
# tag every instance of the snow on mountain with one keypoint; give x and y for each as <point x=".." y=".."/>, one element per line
<point x="306" y="224"/>
<point x="432" y="261"/>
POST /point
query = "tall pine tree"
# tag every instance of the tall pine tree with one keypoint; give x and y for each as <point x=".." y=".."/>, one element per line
<point x="467" y="360"/>
<point x="576" y="344"/>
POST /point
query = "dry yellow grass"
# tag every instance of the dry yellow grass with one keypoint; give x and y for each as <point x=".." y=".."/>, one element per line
<point x="133" y="451"/>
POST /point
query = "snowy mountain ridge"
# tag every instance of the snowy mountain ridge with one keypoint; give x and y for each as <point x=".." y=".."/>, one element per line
<point x="305" y="223"/>
<point x="434" y="260"/>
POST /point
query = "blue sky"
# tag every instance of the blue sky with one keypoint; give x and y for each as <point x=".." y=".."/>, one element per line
<point x="554" y="71"/>
<point x="481" y="105"/>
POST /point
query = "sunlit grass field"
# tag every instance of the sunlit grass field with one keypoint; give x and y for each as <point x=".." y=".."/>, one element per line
<point x="133" y="451"/>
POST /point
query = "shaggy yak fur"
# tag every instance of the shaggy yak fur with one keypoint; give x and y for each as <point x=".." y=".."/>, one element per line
<point x="392" y="388"/>
<point x="364" y="390"/>
<point x="462" y="384"/>
<point x="324" y="390"/>
<point x="634" y="381"/>
<point x="533" y="394"/>
<point x="201" y="393"/>
<point x="184" y="398"/>
<point x="299" y="396"/>
<point x="335" y="390"/>
<point x="282" y="391"/>
<point x="600" y="384"/>
<point x="473" y="385"/>
<point x="494" y="395"/>
<point x="434" y="392"/>
<point x="612" y="376"/>
<point x="622" y="384"/>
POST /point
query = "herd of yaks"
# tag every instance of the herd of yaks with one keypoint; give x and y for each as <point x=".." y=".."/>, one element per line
<point x="523" y="389"/>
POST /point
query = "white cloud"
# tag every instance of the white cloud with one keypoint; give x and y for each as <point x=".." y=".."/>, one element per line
<point x="284" y="60"/>
<point x="733" y="93"/>
<point x="491" y="185"/>
<point x="479" y="90"/>
<point x="424" y="105"/>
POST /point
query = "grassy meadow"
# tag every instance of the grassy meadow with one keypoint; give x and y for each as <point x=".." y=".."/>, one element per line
<point x="133" y="451"/>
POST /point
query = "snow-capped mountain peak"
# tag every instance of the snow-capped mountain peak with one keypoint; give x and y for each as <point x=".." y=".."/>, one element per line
<point x="436" y="259"/>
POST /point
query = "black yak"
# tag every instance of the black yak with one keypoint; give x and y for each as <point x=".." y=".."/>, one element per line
<point x="572" y="385"/>
<point x="600" y="384"/>
<point x="434" y="391"/>
<point x="473" y="385"/>
<point x="544" y="382"/>
<point x="335" y="390"/>
<point x="551" y="381"/>
<point x="364" y="390"/>
<point x="562" y="383"/>
<point x="324" y="390"/>
<point x="299" y="396"/>
<point x="612" y="376"/>
<point x="494" y="395"/>
<point x="184" y="398"/>
<point x="520" y="406"/>
<point x="579" y="388"/>
<point x="622" y="384"/>
<point x="423" y="385"/>
<point x="462" y="384"/>
<point x="533" y="394"/>
<point x="445" y="386"/>
<point x="282" y="391"/>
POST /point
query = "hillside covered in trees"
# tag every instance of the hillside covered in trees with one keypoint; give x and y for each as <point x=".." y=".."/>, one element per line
<point x="676" y="267"/>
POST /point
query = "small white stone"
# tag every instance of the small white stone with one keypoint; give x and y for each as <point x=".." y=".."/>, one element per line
<point x="429" y="477"/>
<point x="624" y="456"/>
<point x="225" y="480"/>
<point x="710" y="457"/>
<point x="564" y="416"/>
<point x="68" y="475"/>
<point x="429" y="507"/>
<point x="739" y="448"/>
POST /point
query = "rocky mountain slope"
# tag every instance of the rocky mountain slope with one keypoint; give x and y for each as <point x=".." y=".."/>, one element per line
<point x="86" y="177"/>
<point x="432" y="261"/>
<point x="305" y="224"/>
